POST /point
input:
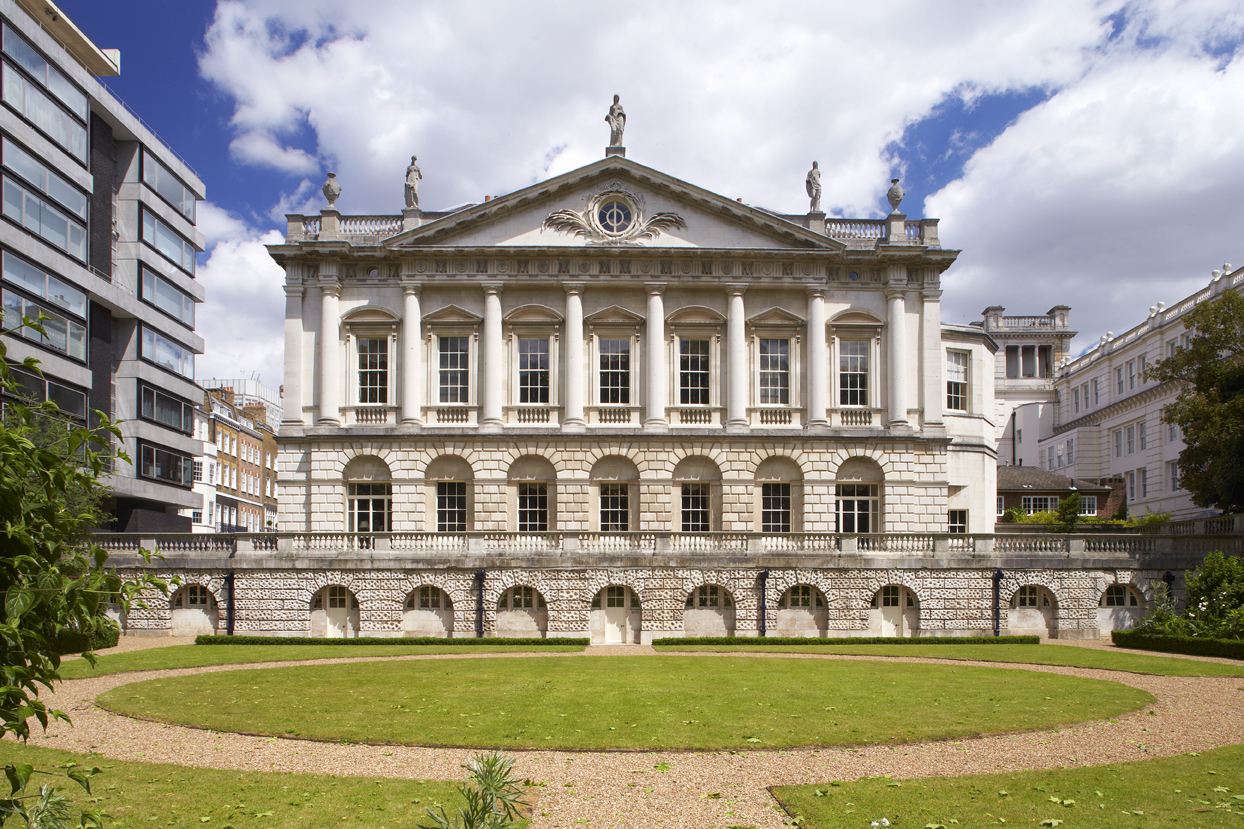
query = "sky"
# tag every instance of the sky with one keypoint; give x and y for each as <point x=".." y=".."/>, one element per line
<point x="1077" y="153"/>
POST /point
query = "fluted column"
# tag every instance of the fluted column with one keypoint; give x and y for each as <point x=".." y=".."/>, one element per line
<point x="293" y="350"/>
<point x="412" y="367"/>
<point x="330" y="354"/>
<point x="658" y="379"/>
<point x="818" y="359"/>
<point x="933" y="357"/>
<point x="896" y="330"/>
<point x="736" y="362"/>
<point x="492" y="377"/>
<point x="572" y="420"/>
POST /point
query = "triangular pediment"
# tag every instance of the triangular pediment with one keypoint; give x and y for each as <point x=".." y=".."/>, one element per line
<point x="616" y="205"/>
<point x="452" y="313"/>
<point x="613" y="314"/>
<point x="775" y="316"/>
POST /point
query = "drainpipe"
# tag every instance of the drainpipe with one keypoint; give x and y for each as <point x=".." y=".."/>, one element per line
<point x="764" y="608"/>
<point x="229" y="604"/>
<point x="997" y="602"/>
<point x="479" y="604"/>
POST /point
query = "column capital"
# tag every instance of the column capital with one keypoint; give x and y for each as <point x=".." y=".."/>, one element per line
<point x="932" y="295"/>
<point x="294" y="290"/>
<point x="492" y="287"/>
<point x="574" y="287"/>
<point x="736" y="289"/>
<point x="409" y="287"/>
<point x="656" y="288"/>
<point x="816" y="290"/>
<point x="330" y="286"/>
<point x="895" y="292"/>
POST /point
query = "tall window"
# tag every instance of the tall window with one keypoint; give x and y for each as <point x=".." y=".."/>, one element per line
<point x="1118" y="443"/>
<point x="615" y="508"/>
<point x="1172" y="474"/>
<point x="1118" y="380"/>
<point x="1096" y="396"/>
<point x="451" y="506"/>
<point x="1131" y="439"/>
<point x="853" y="373"/>
<point x="774" y="372"/>
<point x="1142" y="434"/>
<point x="1075" y="401"/>
<point x="615" y="370"/>
<point x="693" y="372"/>
<point x="533" y="507"/>
<point x="454" y="372"/>
<point x="696" y="508"/>
<point x="957" y="381"/>
<point x="373" y="370"/>
<point x="1144" y="482"/>
<point x="533" y="370"/>
<point x="1131" y="374"/>
<point x="775" y="508"/>
<point x="858" y="508"/>
<point x="370" y="506"/>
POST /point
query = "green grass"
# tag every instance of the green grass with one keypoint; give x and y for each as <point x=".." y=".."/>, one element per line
<point x="138" y="795"/>
<point x="625" y="702"/>
<point x="1032" y="654"/>
<point x="194" y="656"/>
<point x="1204" y="791"/>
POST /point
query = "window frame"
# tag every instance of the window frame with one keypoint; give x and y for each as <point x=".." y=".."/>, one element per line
<point x="146" y="390"/>
<point x="148" y="450"/>
<point x="964" y="390"/>
<point x="872" y="497"/>
<point x="436" y="388"/>
<point x="74" y="331"/>
<point x="161" y="168"/>
<point x="143" y="329"/>
<point x="77" y="138"/>
<point x="154" y="243"/>
<point x="24" y="220"/>
<point x="156" y="280"/>
<point x="362" y="504"/>
<point x="872" y="349"/>
<point x="49" y="175"/>
<point x="631" y="389"/>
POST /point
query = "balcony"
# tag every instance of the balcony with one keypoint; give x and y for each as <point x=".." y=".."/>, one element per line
<point x="370" y="415"/>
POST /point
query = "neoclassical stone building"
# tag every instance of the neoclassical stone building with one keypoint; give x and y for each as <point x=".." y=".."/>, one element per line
<point x="616" y="404"/>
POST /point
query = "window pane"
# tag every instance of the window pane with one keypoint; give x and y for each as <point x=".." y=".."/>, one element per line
<point x="615" y="371"/>
<point x="696" y="515"/>
<point x="774" y="372"/>
<point x="775" y="502"/>
<point x="158" y="177"/>
<point x="533" y="508"/>
<point x="70" y="401"/>
<point x="853" y="373"/>
<point x="957" y="380"/>
<point x="858" y="508"/>
<point x="615" y="511"/>
<point x="693" y="372"/>
<point x="451" y="506"/>
<point x="43" y="178"/>
<point x="373" y="370"/>
<point x="533" y="370"/>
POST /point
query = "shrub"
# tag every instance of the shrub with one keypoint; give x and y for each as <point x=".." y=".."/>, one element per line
<point x="853" y="640"/>
<point x="1194" y="645"/>
<point x="1014" y="515"/>
<point x="413" y="641"/>
<point x="75" y="641"/>
<point x="492" y="794"/>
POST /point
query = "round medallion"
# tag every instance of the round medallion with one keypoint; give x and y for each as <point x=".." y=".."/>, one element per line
<point x="614" y="216"/>
<point x="807" y="270"/>
<point x="645" y="267"/>
<point x="585" y="266"/>
<point x="543" y="267"/>
<point x="766" y="268"/>
<point x="725" y="268"/>
<point x="462" y="266"/>
<point x="421" y="267"/>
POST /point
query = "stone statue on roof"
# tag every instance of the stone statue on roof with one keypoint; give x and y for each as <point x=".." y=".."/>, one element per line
<point x="813" y="185"/>
<point x="412" y="184"/>
<point x="617" y="122"/>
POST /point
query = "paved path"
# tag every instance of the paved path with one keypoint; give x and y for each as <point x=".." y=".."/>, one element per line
<point x="626" y="789"/>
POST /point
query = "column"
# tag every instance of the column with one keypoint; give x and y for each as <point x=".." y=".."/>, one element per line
<point x="658" y="380"/>
<point x="330" y="354"/>
<point x="492" y="355"/>
<point x="572" y="419"/>
<point x="736" y="362"/>
<point x="293" y="349"/>
<point x="412" y="365"/>
<point x="933" y="357"/>
<point x="896" y="331"/>
<point x="818" y="359"/>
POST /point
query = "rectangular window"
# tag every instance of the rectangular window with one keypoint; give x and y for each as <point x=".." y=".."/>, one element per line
<point x="1084" y="392"/>
<point x="615" y="371"/>
<point x="167" y="354"/>
<point x="775" y="508"/>
<point x="533" y="370"/>
<point x="774" y="372"/>
<point x="1172" y="475"/>
<point x="451" y="506"/>
<point x="1131" y="486"/>
<point x="1131" y="374"/>
<point x="1131" y="439"/>
<point x="1039" y="503"/>
<point x="70" y="401"/>
<point x="63" y="334"/>
<point x="158" y="178"/>
<point x="615" y="508"/>
<point x="957" y="519"/>
<point x="696" y="508"/>
<point x="1142" y="430"/>
<point x="164" y="295"/>
<point x="1058" y="456"/>
<point x="44" y="179"/>
<point x="197" y="473"/>
<point x="1088" y="504"/>
<point x="1001" y="505"/>
<point x="1170" y="348"/>
<point x="1096" y="396"/>
<point x="1143" y="474"/>
<point x="857" y="508"/>
<point x="853" y="373"/>
<point x="1075" y="401"/>
<point x="168" y="242"/>
<point x="30" y="210"/>
<point x="43" y="112"/>
<point x="1071" y="451"/>
<point x="957" y="381"/>
<point x="693" y="372"/>
<point x="164" y="465"/>
<point x="45" y="286"/>
<point x="1118" y="380"/>
<point x="167" y="410"/>
<point x="1019" y="435"/>
<point x="454" y="372"/>
<point x="1118" y="443"/>
<point x="1142" y="365"/>
<point x="373" y="370"/>
<point x="533" y="508"/>
<point x="16" y="47"/>
<point x="369" y="508"/>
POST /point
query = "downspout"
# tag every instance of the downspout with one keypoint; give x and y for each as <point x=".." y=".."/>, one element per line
<point x="479" y="604"/>
<point x="764" y="606"/>
<point x="1013" y="450"/>
<point x="997" y="602"/>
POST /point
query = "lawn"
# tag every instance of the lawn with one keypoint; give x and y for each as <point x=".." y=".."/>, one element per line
<point x="1202" y="791"/>
<point x="194" y="656"/>
<point x="138" y="795"/>
<point x="1032" y="654"/>
<point x="625" y="702"/>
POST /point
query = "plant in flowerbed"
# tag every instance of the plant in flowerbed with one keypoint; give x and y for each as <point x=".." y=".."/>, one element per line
<point x="1212" y="621"/>
<point x="672" y="702"/>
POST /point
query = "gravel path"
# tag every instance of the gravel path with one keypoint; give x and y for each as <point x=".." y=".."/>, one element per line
<point x="627" y="789"/>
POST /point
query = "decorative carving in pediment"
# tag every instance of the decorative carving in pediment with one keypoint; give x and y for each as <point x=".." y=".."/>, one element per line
<point x="614" y="216"/>
<point x="452" y="313"/>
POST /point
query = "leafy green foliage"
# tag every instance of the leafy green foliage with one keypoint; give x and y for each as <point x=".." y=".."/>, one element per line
<point x="1193" y="645"/>
<point x="1068" y="513"/>
<point x="1209" y="408"/>
<point x="1214" y="604"/>
<point x="492" y="793"/>
<point x="797" y="641"/>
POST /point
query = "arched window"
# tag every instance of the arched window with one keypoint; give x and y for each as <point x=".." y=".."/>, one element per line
<point x="697" y="488"/>
<point x="857" y="496"/>
<point x="428" y="598"/>
<point x="709" y="595"/>
<point x="369" y="496"/>
<point x="892" y="595"/>
<point x="521" y="597"/>
<point x="779" y="496"/>
<point x="1120" y="595"/>
<point x="802" y="595"/>
<point x="195" y="595"/>
<point x="450" y="496"/>
<point x="533" y="495"/>
<point x="1031" y="595"/>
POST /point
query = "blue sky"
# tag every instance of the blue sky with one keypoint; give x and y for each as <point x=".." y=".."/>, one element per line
<point x="1086" y="154"/>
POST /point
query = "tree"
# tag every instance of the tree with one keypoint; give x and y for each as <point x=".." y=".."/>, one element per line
<point x="1209" y="408"/>
<point x="1069" y="513"/>
<point x="52" y="578"/>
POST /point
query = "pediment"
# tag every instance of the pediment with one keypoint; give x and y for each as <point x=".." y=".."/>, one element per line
<point x="695" y="315"/>
<point x="775" y="316"/>
<point x="452" y="313"/>
<point x="855" y="316"/>
<point x="613" y="314"/>
<point x="370" y="314"/>
<point x="657" y="211"/>
<point x="533" y="314"/>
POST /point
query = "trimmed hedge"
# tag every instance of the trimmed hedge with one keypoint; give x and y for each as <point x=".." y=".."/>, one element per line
<point x="413" y="641"/>
<point x="852" y="640"/>
<point x="73" y="641"/>
<point x="1193" y="645"/>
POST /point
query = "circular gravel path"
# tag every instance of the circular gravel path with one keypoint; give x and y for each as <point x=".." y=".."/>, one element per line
<point x="627" y="789"/>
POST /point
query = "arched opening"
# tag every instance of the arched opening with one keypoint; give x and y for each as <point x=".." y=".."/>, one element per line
<point x="802" y="611"/>
<point x="522" y="612"/>
<point x="709" y="611"/>
<point x="114" y="611"/>
<point x="533" y="495"/>
<point x="334" y="613"/>
<point x="697" y="490"/>
<point x="1120" y="607"/>
<point x="614" y="480"/>
<point x="194" y="611"/>
<point x="616" y="617"/>
<point x="369" y="498"/>
<point x="857" y="496"/>
<point x="894" y="611"/>
<point x="779" y="496"/>
<point x="451" y="506"/>
<point x="428" y="612"/>
<point x="1033" y="612"/>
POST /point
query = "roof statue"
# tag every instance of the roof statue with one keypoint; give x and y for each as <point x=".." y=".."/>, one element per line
<point x="617" y="122"/>
<point x="813" y="185"/>
<point x="413" y="175"/>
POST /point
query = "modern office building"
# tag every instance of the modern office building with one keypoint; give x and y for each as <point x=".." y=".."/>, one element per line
<point x="98" y="235"/>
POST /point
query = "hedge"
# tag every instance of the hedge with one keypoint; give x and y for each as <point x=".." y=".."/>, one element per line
<point x="73" y="641"/>
<point x="413" y="641"/>
<point x="1194" y="645"/>
<point x="853" y="640"/>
